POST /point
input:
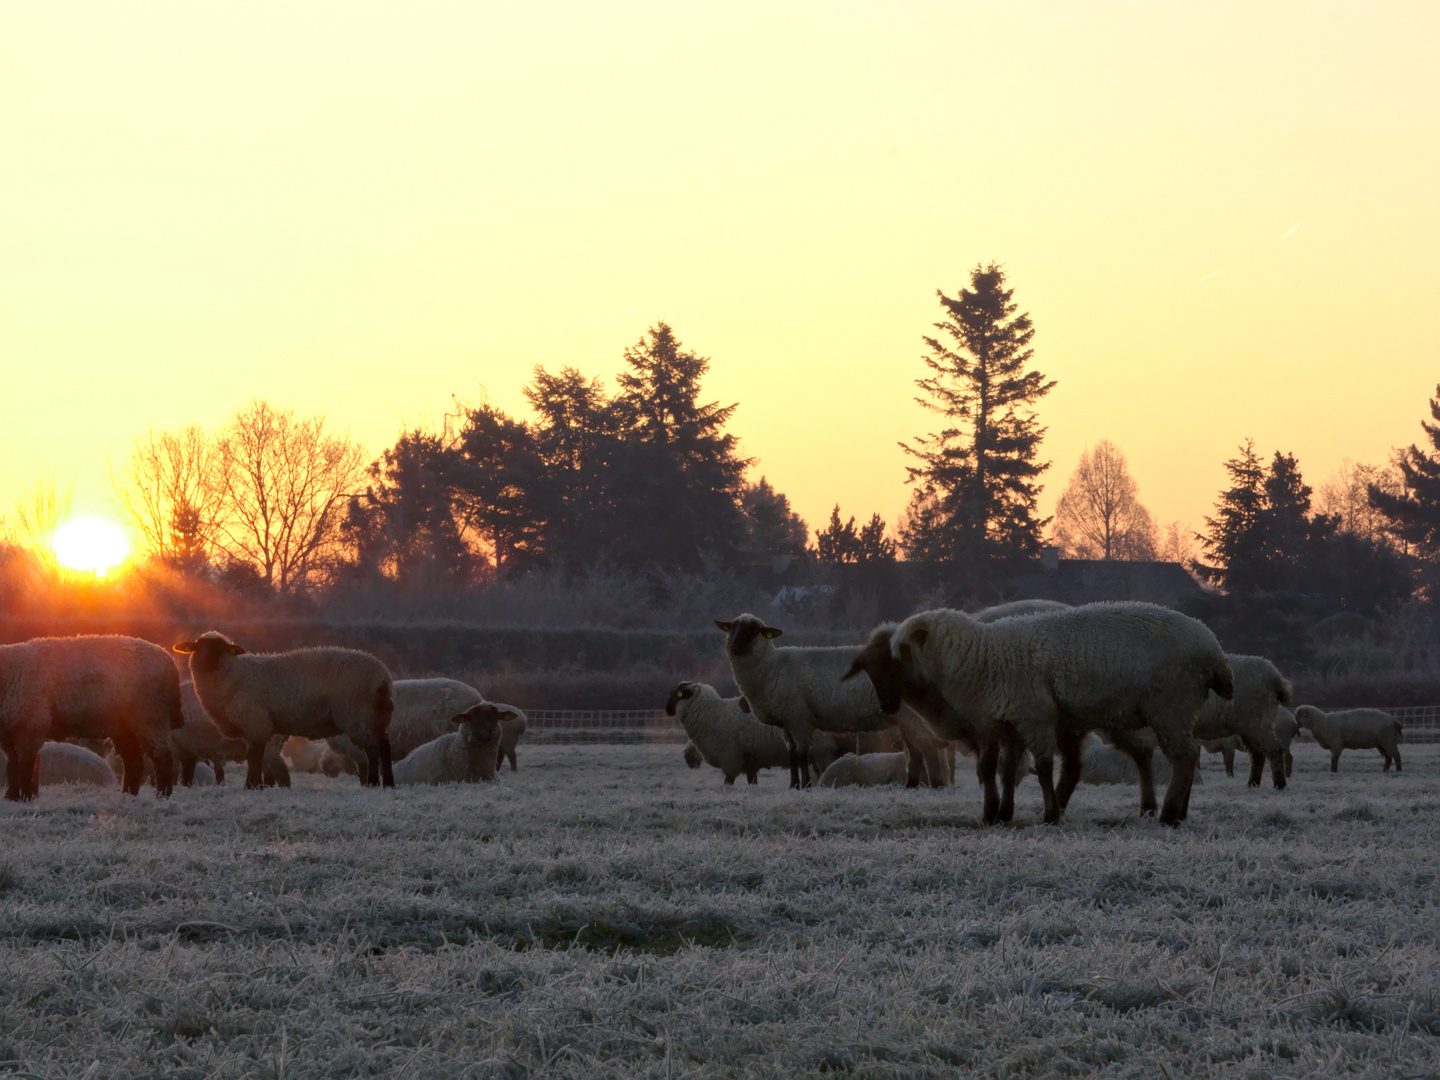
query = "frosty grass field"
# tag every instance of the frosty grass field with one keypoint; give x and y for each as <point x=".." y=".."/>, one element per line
<point x="607" y="912"/>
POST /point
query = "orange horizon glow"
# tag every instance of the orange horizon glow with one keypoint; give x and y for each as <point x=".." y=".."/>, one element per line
<point x="90" y="545"/>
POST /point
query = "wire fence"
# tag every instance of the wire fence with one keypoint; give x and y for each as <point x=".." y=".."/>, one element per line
<point x="1421" y="724"/>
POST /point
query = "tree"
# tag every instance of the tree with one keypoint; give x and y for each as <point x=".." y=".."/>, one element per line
<point x="39" y="511"/>
<point x="1234" y="543"/>
<point x="1098" y="515"/>
<point x="839" y="543"/>
<point x="500" y="481"/>
<point x="171" y="491"/>
<point x="773" y="528"/>
<point x="1413" y="515"/>
<point x="288" y="480"/>
<point x="1346" y="495"/>
<point x="975" y="482"/>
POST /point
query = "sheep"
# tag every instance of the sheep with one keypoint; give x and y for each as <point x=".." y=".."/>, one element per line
<point x="1285" y="731"/>
<point x="725" y="734"/>
<point x="865" y="770"/>
<point x="1015" y="608"/>
<point x="199" y="739"/>
<point x="66" y="763"/>
<point x="1101" y="763"/>
<point x="1352" y="729"/>
<point x="459" y="757"/>
<point x="1260" y="690"/>
<point x="303" y="755"/>
<point x="1225" y="747"/>
<point x="333" y="763"/>
<point x="1117" y="667"/>
<point x="800" y="690"/>
<point x="310" y="692"/>
<point x="94" y="687"/>
<point x="512" y="727"/>
<point x="423" y="709"/>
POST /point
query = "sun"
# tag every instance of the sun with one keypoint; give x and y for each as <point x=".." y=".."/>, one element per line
<point x="94" y="545"/>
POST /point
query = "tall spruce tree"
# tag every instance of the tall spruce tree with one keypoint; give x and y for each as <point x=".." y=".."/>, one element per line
<point x="1235" y="542"/>
<point x="1414" y="514"/>
<point x="975" y="478"/>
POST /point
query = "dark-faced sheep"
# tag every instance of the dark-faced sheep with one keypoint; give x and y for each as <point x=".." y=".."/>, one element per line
<point x="312" y="692"/>
<point x="101" y="687"/>
<point x="463" y="756"/>
<point x="423" y="711"/>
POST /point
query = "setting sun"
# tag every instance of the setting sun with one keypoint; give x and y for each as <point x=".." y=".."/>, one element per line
<point x="91" y="544"/>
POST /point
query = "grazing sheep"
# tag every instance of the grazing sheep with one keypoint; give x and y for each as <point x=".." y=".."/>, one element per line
<point x="200" y="740"/>
<point x="423" y="710"/>
<point x="726" y="736"/>
<point x="1260" y="690"/>
<point x="333" y="764"/>
<point x="512" y="727"/>
<point x="96" y="687"/>
<point x="1117" y="667"/>
<point x="65" y="763"/>
<point x="865" y="770"/>
<point x="799" y="689"/>
<point x="1353" y="729"/>
<point x="460" y="757"/>
<point x="1225" y="747"/>
<point x="1285" y="732"/>
<point x="310" y="692"/>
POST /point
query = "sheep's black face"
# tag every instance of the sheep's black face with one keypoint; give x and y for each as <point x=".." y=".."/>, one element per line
<point x="886" y="674"/>
<point x="208" y="650"/>
<point x="684" y="692"/>
<point x="741" y="635"/>
<point x="479" y="724"/>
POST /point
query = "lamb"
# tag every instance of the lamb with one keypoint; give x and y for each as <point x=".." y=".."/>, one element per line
<point x="1225" y="747"/>
<point x="1101" y="763"/>
<point x="800" y="690"/>
<point x="460" y="757"/>
<point x="310" y="692"/>
<point x="1285" y="732"/>
<point x="865" y="770"/>
<point x="512" y="726"/>
<point x="93" y="687"/>
<point x="303" y="755"/>
<point x="200" y="740"/>
<point x="423" y="710"/>
<point x="1260" y="690"/>
<point x="724" y="734"/>
<point x="1352" y="729"/>
<point x="66" y="763"/>
<point x="1117" y="667"/>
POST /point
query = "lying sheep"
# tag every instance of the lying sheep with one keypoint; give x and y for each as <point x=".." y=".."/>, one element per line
<point x="462" y="756"/>
<point x="303" y="755"/>
<point x="725" y="734"/>
<point x="1101" y="763"/>
<point x="98" y="687"/>
<point x="865" y="770"/>
<point x="423" y="710"/>
<point x="65" y="763"/>
<point x="799" y="690"/>
<point x="1226" y="747"/>
<point x="333" y="764"/>
<point x="200" y="740"/>
<point x="1260" y="690"/>
<point x="1118" y="667"/>
<point x="1352" y="729"/>
<point x="310" y="692"/>
<point x="1285" y="732"/>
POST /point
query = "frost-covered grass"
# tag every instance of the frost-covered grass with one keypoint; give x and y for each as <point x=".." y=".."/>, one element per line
<point x="607" y="912"/>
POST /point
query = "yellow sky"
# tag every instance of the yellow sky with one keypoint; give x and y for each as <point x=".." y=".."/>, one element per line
<point x="365" y="208"/>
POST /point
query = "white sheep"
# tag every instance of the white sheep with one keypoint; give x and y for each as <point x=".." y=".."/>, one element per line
<point x="1285" y="731"/>
<point x="65" y="763"/>
<point x="311" y="692"/>
<point x="512" y="727"/>
<point x="423" y="710"/>
<point x="799" y="690"/>
<point x="303" y="755"/>
<point x="94" y="687"/>
<point x="1353" y="729"/>
<point x="726" y="736"/>
<point x="1015" y="608"/>
<point x="462" y="756"/>
<point x="1260" y="690"/>
<point x="1101" y="763"/>
<point x="865" y="770"/>
<point x="1118" y="667"/>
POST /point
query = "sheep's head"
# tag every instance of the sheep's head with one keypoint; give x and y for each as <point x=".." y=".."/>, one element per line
<point x="886" y="672"/>
<point x="683" y="692"/>
<point x="1305" y="716"/>
<point x="208" y="650"/>
<point x="481" y="723"/>
<point x="743" y="633"/>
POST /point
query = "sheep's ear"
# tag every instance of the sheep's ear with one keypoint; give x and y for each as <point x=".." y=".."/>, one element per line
<point x="235" y="650"/>
<point x="184" y="646"/>
<point x="919" y="636"/>
<point x="771" y="632"/>
<point x="856" y="667"/>
<point x="744" y="704"/>
<point x="724" y="626"/>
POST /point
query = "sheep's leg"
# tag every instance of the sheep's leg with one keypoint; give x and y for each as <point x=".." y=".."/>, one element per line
<point x="752" y="776"/>
<point x="511" y="755"/>
<point x="1229" y="755"/>
<point x="500" y="758"/>
<point x="372" y="767"/>
<point x="730" y="779"/>
<point x="1045" y="775"/>
<point x="1386" y="755"/>
<point x="1289" y="762"/>
<point x="387" y="777"/>
<point x="12" y="770"/>
<point x="1012" y="752"/>
<point x="1182" y="777"/>
<point x="794" y="758"/>
<point x="1334" y="760"/>
<point x="188" y="761"/>
<point x="1396" y="752"/>
<point x="1257" y="761"/>
<point x="752" y="772"/>
<point x="255" y="765"/>
<point x="134" y="760"/>
<point x="985" y="770"/>
<point x="164" y="773"/>
<point x="914" y="762"/>
<point x="1068" y="742"/>
<point x="1276" y="758"/>
<point x="219" y="767"/>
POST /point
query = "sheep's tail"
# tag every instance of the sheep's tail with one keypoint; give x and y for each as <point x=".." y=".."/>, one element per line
<point x="1222" y="680"/>
<point x="1284" y="690"/>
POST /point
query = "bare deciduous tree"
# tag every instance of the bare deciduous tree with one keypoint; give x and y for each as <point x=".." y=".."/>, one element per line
<point x="1098" y="515"/>
<point x="1346" y="495"/>
<point x="286" y="481"/>
<point x="39" y="510"/>
<point x="1178" y="545"/>
<point x="172" y="492"/>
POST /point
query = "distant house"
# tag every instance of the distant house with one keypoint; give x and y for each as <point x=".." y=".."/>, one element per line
<point x="1085" y="581"/>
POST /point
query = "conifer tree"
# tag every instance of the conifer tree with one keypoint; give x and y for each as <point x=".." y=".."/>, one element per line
<point x="1414" y="514"/>
<point x="1234" y="543"/>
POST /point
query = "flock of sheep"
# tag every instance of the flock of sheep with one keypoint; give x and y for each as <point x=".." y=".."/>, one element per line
<point x="1101" y="686"/>
<point x="1014" y="686"/>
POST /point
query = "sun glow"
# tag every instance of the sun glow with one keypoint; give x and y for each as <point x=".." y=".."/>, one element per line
<point x="94" y="545"/>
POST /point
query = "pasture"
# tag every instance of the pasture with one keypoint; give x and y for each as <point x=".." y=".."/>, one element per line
<point x="608" y="912"/>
